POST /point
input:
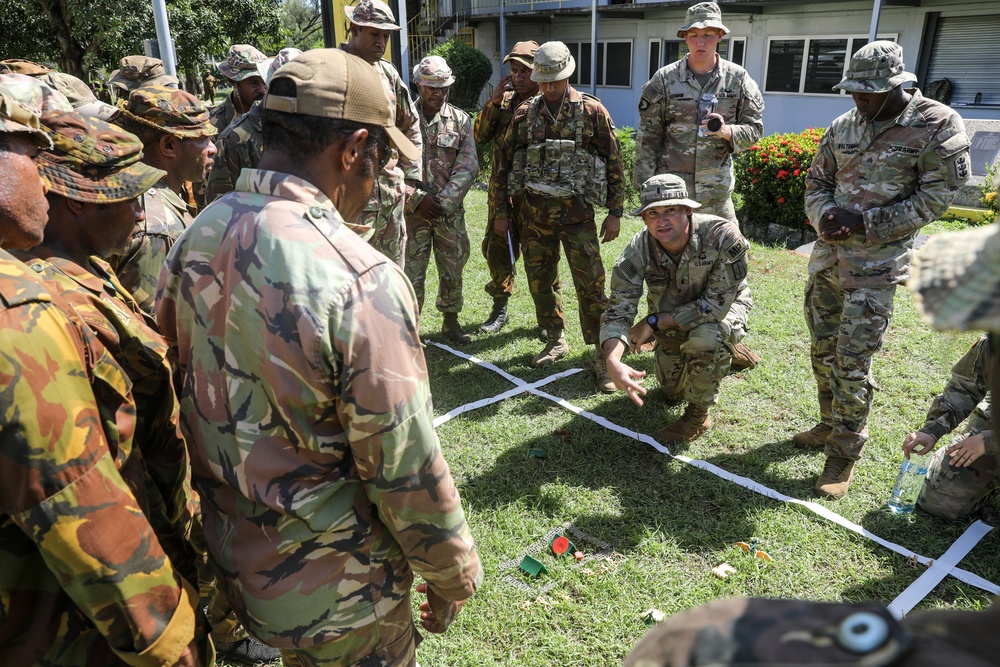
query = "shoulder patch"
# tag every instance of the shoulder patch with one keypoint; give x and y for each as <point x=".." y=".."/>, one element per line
<point x="739" y="268"/>
<point x="738" y="248"/>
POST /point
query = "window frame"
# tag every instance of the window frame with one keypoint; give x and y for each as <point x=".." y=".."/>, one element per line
<point x="806" y="39"/>
<point x="576" y="49"/>
<point x="661" y="54"/>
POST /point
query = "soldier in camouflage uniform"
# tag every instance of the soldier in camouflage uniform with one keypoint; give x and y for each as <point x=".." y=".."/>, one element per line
<point x="136" y="71"/>
<point x="245" y="68"/>
<point x="491" y="125"/>
<point x="371" y="24"/>
<point x="177" y="138"/>
<point x="560" y="157"/>
<point x="75" y="90"/>
<point x="881" y="172"/>
<point x="435" y="216"/>
<point x="208" y="83"/>
<point x="695" y="266"/>
<point x="669" y="139"/>
<point x="333" y="454"/>
<point x="84" y="580"/>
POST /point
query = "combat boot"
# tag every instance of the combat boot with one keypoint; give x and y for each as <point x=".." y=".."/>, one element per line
<point x="603" y="380"/>
<point x="838" y="473"/>
<point x="452" y="330"/>
<point x="744" y="358"/>
<point x="814" y="437"/>
<point x="498" y="317"/>
<point x="695" y="421"/>
<point x="555" y="349"/>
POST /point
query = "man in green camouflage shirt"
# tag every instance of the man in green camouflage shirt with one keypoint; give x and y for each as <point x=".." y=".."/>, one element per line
<point x="176" y="138"/>
<point x="245" y="68"/>
<point x="490" y="127"/>
<point x="84" y="580"/>
<point x="882" y="171"/>
<point x="435" y="215"/>
<point x="306" y="404"/>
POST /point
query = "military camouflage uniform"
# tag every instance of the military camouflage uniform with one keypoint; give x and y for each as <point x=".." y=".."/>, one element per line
<point x="242" y="62"/>
<point x="951" y="491"/>
<point x="323" y="484"/>
<point x="240" y="146"/>
<point x="138" y="71"/>
<point x="84" y="580"/>
<point x="491" y="125"/>
<point x="549" y="220"/>
<point x="899" y="179"/>
<point x="450" y="167"/>
<point x="668" y="138"/>
<point x="706" y="291"/>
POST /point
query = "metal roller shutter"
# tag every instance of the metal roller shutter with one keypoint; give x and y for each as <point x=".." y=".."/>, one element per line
<point x="965" y="51"/>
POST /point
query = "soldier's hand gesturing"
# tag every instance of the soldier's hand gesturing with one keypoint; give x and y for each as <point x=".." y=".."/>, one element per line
<point x="839" y="223"/>
<point x="609" y="230"/>
<point x="918" y="443"/>
<point x="437" y="613"/>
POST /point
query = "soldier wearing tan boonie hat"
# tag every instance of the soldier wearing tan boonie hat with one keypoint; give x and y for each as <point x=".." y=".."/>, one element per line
<point x="372" y="14"/>
<point x="663" y="190"/>
<point x="553" y="62"/>
<point x="246" y="69"/>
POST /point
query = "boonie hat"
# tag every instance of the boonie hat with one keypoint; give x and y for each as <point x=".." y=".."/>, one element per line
<point x="20" y="109"/>
<point x="138" y="71"/>
<point x="434" y="72"/>
<point x="242" y="62"/>
<point x="79" y="94"/>
<point x="170" y="110"/>
<point x="553" y="62"/>
<point x="523" y="52"/>
<point x="373" y="14"/>
<point x="702" y="15"/>
<point x="93" y="161"/>
<point x="956" y="279"/>
<point x="26" y="67"/>
<point x="35" y="93"/>
<point x="284" y="56"/>
<point x="331" y="83"/>
<point x="663" y="190"/>
<point x="876" y="68"/>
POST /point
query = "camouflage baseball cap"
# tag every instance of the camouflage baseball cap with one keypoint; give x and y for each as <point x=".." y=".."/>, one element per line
<point x="284" y="56"/>
<point x="876" y="68"/>
<point x="138" y="71"/>
<point x="243" y="62"/>
<point x="93" y="161"/>
<point x="663" y="190"/>
<point x="35" y="93"/>
<point x="170" y="110"/>
<point x="956" y="279"/>
<point x="20" y="110"/>
<point x="79" y="94"/>
<point x="433" y="72"/>
<point x="702" y="15"/>
<point x="26" y="67"/>
<point x="372" y="13"/>
<point x="553" y="62"/>
<point x="523" y="52"/>
<point x="331" y="83"/>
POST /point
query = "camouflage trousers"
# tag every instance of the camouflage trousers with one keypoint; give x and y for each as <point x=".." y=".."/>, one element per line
<point x="720" y="204"/>
<point x="448" y="240"/>
<point x="545" y="224"/>
<point x="497" y="254"/>
<point x="389" y="642"/>
<point x="953" y="492"/>
<point x="691" y="364"/>
<point x="846" y="327"/>
<point x="388" y="230"/>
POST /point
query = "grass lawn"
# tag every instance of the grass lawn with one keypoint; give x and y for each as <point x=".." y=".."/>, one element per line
<point x="669" y="523"/>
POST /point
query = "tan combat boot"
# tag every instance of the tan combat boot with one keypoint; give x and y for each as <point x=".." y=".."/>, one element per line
<point x="838" y="473"/>
<point x="814" y="437"/>
<point x="695" y="421"/>
<point x="555" y="349"/>
<point x="452" y="330"/>
<point x="744" y="358"/>
<point x="603" y="380"/>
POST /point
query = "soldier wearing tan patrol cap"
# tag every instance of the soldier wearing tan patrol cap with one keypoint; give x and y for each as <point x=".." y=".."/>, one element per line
<point x="282" y="315"/>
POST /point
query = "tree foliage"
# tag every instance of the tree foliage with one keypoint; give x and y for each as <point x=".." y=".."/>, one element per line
<point x="471" y="68"/>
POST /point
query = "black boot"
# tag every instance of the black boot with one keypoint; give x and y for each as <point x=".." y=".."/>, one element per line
<point x="452" y="330"/>
<point x="498" y="317"/>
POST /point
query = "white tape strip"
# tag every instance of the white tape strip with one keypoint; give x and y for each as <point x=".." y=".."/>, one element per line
<point x="926" y="582"/>
<point x="499" y="397"/>
<point x="747" y="483"/>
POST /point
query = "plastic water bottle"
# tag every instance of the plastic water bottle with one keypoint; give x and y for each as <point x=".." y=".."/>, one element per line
<point x="911" y="477"/>
<point x="708" y="103"/>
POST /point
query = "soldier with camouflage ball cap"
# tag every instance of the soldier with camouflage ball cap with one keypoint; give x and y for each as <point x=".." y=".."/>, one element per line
<point x="245" y="68"/>
<point x="882" y="171"/>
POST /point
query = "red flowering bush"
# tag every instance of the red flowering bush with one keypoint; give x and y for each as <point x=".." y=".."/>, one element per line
<point x="771" y="177"/>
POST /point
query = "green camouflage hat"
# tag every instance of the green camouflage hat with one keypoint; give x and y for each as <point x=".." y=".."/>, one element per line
<point x="243" y="62"/>
<point x="285" y="56"/>
<point x="663" y="190"/>
<point x="79" y="94"/>
<point x="138" y="71"/>
<point x="93" y="161"/>
<point x="553" y="62"/>
<point x="26" y="67"/>
<point x="171" y="110"/>
<point x="35" y="93"/>
<point x="21" y="102"/>
<point x="523" y="52"/>
<point x="373" y="14"/>
<point x="702" y="15"/>
<point x="434" y="72"/>
<point x="876" y="68"/>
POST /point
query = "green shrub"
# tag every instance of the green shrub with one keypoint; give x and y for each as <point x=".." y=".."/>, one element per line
<point x="626" y="139"/>
<point x="989" y="198"/>
<point x="771" y="177"/>
<point x="471" y="68"/>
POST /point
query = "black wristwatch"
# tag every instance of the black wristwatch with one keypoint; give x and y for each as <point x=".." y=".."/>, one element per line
<point x="652" y="319"/>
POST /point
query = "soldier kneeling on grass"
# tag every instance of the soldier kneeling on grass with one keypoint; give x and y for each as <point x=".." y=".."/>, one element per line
<point x="695" y="267"/>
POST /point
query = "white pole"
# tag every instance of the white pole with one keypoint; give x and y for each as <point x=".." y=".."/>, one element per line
<point x="404" y="44"/>
<point x="873" y="30"/>
<point x="503" y="36"/>
<point x="163" y="37"/>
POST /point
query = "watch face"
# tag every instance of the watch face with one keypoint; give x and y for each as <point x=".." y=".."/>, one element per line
<point x="651" y="320"/>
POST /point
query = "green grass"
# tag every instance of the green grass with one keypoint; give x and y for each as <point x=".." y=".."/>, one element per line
<point x="670" y="522"/>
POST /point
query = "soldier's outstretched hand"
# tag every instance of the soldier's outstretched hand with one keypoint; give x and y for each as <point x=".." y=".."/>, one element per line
<point x="964" y="453"/>
<point x="437" y="613"/>
<point x="609" y="230"/>
<point x="918" y="443"/>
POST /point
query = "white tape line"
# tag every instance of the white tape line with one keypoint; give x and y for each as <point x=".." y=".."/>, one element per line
<point x="926" y="582"/>
<point x="745" y="482"/>
<point x="476" y="360"/>
<point x="499" y="397"/>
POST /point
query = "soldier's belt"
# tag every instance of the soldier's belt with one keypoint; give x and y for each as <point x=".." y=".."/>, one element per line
<point x="547" y="190"/>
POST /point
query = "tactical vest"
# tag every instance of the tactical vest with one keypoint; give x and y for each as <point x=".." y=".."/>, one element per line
<point x="558" y="168"/>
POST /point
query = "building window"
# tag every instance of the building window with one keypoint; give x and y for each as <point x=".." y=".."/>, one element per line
<point x="614" y="63"/>
<point x="664" y="52"/>
<point x="811" y="65"/>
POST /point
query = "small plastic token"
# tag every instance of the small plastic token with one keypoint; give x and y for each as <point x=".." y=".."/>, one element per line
<point x="560" y="545"/>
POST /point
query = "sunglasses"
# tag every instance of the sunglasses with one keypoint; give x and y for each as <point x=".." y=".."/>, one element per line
<point x="379" y="138"/>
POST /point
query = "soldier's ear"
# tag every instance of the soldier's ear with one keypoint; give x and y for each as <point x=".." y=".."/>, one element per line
<point x="167" y="145"/>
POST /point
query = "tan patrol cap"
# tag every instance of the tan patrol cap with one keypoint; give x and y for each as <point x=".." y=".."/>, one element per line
<point x="524" y="53"/>
<point x="331" y="83"/>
